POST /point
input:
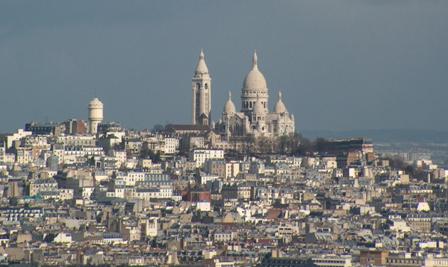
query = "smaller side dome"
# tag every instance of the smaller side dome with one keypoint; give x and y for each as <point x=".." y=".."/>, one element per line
<point x="229" y="107"/>
<point x="280" y="106"/>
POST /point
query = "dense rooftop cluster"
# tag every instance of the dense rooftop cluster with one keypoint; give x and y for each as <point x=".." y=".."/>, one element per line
<point x="174" y="198"/>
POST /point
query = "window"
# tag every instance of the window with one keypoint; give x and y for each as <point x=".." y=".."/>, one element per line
<point x="206" y="86"/>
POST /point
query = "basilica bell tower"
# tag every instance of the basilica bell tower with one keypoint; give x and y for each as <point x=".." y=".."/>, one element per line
<point x="201" y="93"/>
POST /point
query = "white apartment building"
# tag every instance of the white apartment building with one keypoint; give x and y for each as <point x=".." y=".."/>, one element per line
<point x="436" y="260"/>
<point x="16" y="137"/>
<point x="171" y="145"/>
<point x="151" y="227"/>
<point x="153" y="193"/>
<point x="77" y="140"/>
<point x="42" y="185"/>
<point x="333" y="261"/>
<point x="200" y="156"/>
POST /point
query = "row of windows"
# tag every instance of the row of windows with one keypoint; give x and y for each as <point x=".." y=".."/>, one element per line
<point x="250" y="104"/>
<point x="198" y="86"/>
<point x="407" y="261"/>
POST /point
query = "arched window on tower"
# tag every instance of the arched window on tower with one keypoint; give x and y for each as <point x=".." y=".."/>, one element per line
<point x="198" y="86"/>
<point x="206" y="86"/>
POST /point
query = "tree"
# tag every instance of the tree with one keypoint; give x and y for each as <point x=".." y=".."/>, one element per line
<point x="397" y="163"/>
<point x="13" y="201"/>
<point x="321" y="145"/>
<point x="145" y="153"/>
<point x="158" y="128"/>
<point x="91" y="161"/>
<point x="305" y="147"/>
<point x="264" y="145"/>
<point x="283" y="144"/>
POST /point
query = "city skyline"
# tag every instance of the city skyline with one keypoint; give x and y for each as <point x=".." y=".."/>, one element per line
<point x="137" y="56"/>
<point x="294" y="133"/>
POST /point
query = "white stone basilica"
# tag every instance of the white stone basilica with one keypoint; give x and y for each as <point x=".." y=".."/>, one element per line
<point x="254" y="119"/>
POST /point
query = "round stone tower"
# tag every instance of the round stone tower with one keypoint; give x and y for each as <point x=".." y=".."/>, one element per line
<point x="95" y="115"/>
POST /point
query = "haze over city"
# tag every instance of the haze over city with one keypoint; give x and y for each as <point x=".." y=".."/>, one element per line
<point x="342" y="65"/>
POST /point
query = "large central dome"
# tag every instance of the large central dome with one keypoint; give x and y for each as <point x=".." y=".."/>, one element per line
<point x="255" y="80"/>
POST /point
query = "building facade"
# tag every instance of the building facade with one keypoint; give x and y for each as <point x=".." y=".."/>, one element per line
<point x="255" y="118"/>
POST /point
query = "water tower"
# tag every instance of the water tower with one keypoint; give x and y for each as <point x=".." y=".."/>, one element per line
<point x="95" y="115"/>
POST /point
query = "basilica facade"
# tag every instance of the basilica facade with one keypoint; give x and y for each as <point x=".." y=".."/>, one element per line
<point x="254" y="118"/>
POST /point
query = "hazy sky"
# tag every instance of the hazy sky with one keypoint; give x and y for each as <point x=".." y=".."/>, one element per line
<point x="348" y="64"/>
